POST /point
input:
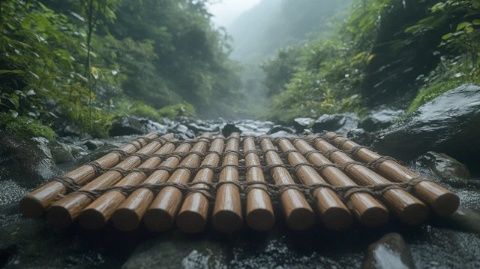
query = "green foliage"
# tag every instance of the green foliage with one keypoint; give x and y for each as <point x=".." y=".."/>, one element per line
<point x="177" y="110"/>
<point x="25" y="127"/>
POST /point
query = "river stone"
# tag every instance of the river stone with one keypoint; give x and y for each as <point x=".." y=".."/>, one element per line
<point x="300" y="124"/>
<point x="448" y="124"/>
<point x="282" y="129"/>
<point x="27" y="161"/>
<point x="444" y="166"/>
<point x="230" y="128"/>
<point x="131" y="125"/>
<point x="61" y="152"/>
<point x="380" y="119"/>
<point x="390" y="252"/>
<point x="340" y="123"/>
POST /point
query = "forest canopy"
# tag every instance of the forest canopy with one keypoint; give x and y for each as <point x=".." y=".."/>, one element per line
<point x="88" y="61"/>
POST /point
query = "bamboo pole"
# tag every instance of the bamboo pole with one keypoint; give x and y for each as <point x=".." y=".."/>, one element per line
<point x="298" y="213"/>
<point x="98" y="213"/>
<point x="259" y="214"/>
<point x="443" y="201"/>
<point x="333" y="212"/>
<point x="193" y="214"/>
<point x="369" y="211"/>
<point x="407" y="207"/>
<point x="129" y="213"/>
<point x="161" y="213"/>
<point x="227" y="212"/>
<point x="36" y="202"/>
<point x="63" y="212"/>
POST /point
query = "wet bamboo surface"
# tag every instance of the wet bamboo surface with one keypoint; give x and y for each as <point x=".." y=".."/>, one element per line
<point x="443" y="201"/>
<point x="227" y="213"/>
<point x="228" y="181"/>
<point x="298" y="213"/>
<point x="407" y="207"/>
<point x="36" y="202"/>
<point x="368" y="210"/>
<point x="259" y="212"/>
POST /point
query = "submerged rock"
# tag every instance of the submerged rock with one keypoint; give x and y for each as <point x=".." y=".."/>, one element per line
<point x="390" y="252"/>
<point x="279" y="129"/>
<point x="444" y="166"/>
<point x="380" y="119"/>
<point x="340" y="123"/>
<point x="230" y="128"/>
<point x="449" y="124"/>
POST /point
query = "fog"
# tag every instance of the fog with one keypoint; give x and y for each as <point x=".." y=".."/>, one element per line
<point x="226" y="11"/>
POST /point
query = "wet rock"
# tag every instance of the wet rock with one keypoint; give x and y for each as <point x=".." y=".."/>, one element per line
<point x="61" y="152"/>
<point x="380" y="119"/>
<point x="340" y="123"/>
<point x="390" y="252"/>
<point x="300" y="124"/>
<point x="230" y="128"/>
<point x="130" y="125"/>
<point x="449" y="124"/>
<point x="465" y="219"/>
<point x="93" y="144"/>
<point x="444" y="166"/>
<point x="361" y="136"/>
<point x="181" y="131"/>
<point x="203" y="128"/>
<point x="279" y="128"/>
<point x="27" y="161"/>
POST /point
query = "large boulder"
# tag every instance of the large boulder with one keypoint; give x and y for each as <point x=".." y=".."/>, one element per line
<point x="340" y="123"/>
<point x="444" y="166"/>
<point x="449" y="123"/>
<point x="380" y="119"/>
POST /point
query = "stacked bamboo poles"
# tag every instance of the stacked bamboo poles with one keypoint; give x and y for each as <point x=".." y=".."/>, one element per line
<point x="96" y="215"/>
<point x="259" y="212"/>
<point x="64" y="211"/>
<point x="443" y="202"/>
<point x="162" y="211"/>
<point x="333" y="212"/>
<point x="298" y="213"/>
<point x="408" y="208"/>
<point x="368" y="210"/>
<point x="227" y="212"/>
<point x="193" y="214"/>
<point x="128" y="215"/>
<point x="36" y="202"/>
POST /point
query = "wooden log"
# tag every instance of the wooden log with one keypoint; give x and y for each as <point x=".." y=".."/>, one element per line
<point x="298" y="213"/>
<point x="129" y="214"/>
<point x="406" y="206"/>
<point x="98" y="213"/>
<point x="227" y="212"/>
<point x="36" y="202"/>
<point x="333" y="212"/>
<point x="63" y="212"/>
<point x="259" y="213"/>
<point x="443" y="201"/>
<point x="369" y="211"/>
<point x="193" y="214"/>
<point x="161" y="214"/>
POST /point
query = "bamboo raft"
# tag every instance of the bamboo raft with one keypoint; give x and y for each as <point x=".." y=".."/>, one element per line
<point x="164" y="182"/>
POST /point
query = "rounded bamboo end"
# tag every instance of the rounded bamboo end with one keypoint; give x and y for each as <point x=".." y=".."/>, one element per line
<point x="157" y="220"/>
<point x="191" y="222"/>
<point x="92" y="219"/>
<point x="374" y="216"/>
<point x="59" y="216"/>
<point x="31" y="207"/>
<point x="337" y="218"/>
<point x="125" y="219"/>
<point x="301" y="219"/>
<point x="227" y="221"/>
<point x="446" y="204"/>
<point x="414" y="214"/>
<point x="260" y="219"/>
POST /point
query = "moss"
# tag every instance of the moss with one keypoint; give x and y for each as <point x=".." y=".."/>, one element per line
<point x="177" y="110"/>
<point x="429" y="93"/>
<point x="143" y="110"/>
<point x="25" y="127"/>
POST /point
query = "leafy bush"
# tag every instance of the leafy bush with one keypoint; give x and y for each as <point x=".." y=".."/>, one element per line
<point x="25" y="127"/>
<point x="174" y="111"/>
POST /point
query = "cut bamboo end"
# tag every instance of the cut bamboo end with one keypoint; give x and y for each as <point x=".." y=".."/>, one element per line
<point x="446" y="204"/>
<point x="125" y="219"/>
<point x="157" y="220"/>
<point x="227" y="221"/>
<point x="92" y="219"/>
<point x="300" y="219"/>
<point x="414" y="214"/>
<point x="337" y="218"/>
<point x="31" y="207"/>
<point x="374" y="217"/>
<point x="59" y="217"/>
<point x="260" y="219"/>
<point x="189" y="221"/>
